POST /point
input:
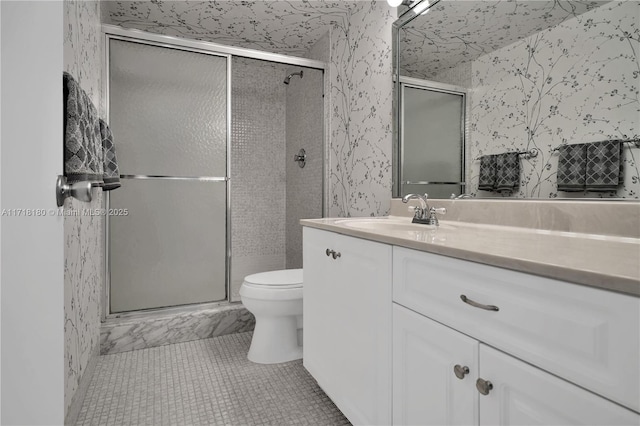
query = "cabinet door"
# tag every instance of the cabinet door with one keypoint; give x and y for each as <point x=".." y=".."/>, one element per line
<point x="523" y="394"/>
<point x="347" y="323"/>
<point x="426" y="390"/>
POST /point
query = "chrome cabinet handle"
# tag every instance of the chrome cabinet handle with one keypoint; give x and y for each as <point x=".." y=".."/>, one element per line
<point x="460" y="371"/>
<point x="484" y="386"/>
<point x="468" y="301"/>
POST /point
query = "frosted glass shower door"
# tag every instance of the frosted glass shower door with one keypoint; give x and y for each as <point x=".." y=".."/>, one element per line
<point x="432" y="142"/>
<point x="168" y="114"/>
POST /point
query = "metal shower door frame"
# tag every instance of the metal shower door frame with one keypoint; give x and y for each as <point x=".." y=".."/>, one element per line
<point x="113" y="32"/>
<point x="415" y="83"/>
<point x="108" y="36"/>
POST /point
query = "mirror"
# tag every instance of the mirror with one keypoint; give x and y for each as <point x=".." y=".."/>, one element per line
<point x="534" y="75"/>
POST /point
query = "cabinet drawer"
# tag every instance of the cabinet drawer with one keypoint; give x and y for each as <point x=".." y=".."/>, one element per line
<point x="588" y="336"/>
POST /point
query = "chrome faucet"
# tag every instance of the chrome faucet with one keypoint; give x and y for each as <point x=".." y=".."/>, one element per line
<point x="424" y="214"/>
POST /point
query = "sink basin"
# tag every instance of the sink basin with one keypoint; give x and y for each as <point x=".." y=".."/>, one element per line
<point x="389" y="225"/>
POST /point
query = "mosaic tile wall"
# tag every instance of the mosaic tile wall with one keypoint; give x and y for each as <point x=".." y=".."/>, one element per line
<point x="304" y="130"/>
<point x="258" y="169"/>
<point x="574" y="83"/>
<point x="83" y="251"/>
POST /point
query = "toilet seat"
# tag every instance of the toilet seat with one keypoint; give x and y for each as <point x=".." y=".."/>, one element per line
<point x="287" y="278"/>
<point x="273" y="285"/>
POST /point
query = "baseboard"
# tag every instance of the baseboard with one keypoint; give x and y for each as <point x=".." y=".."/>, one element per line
<point x="76" y="402"/>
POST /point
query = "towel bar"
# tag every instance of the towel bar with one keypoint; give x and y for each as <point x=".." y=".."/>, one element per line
<point x="636" y="142"/>
<point x="532" y="153"/>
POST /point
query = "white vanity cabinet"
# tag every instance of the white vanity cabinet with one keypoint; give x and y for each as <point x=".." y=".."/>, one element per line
<point x="347" y="322"/>
<point x="584" y="336"/>
<point x="434" y="372"/>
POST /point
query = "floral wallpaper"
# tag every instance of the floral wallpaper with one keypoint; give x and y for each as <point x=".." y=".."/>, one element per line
<point x="457" y="32"/>
<point x="83" y="252"/>
<point x="361" y="112"/>
<point x="287" y="27"/>
<point x="577" y="82"/>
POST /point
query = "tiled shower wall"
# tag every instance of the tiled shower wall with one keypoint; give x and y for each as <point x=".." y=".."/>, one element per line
<point x="258" y="171"/>
<point x="84" y="243"/>
<point x="269" y="192"/>
<point x="304" y="130"/>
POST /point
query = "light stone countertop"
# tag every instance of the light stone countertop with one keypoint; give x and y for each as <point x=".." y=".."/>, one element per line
<point x="602" y="261"/>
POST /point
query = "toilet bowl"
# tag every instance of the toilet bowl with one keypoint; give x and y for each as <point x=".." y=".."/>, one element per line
<point x="275" y="299"/>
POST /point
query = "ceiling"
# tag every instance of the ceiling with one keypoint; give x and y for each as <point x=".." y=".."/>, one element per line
<point x="458" y="31"/>
<point x="287" y="27"/>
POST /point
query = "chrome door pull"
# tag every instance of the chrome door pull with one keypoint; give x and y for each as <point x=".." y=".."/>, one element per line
<point x="468" y="301"/>
<point x="460" y="371"/>
<point x="484" y="386"/>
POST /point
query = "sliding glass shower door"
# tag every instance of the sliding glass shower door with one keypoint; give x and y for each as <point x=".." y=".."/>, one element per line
<point x="168" y="111"/>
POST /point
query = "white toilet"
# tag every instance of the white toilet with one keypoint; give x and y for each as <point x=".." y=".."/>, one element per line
<point x="275" y="299"/>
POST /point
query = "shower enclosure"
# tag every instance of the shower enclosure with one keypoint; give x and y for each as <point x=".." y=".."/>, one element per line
<point x="210" y="191"/>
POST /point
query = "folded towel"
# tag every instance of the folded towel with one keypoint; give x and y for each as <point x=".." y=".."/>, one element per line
<point x="487" y="180"/>
<point x="507" y="172"/>
<point x="82" y="141"/>
<point x="572" y="167"/>
<point x="604" y="166"/>
<point x="111" y="176"/>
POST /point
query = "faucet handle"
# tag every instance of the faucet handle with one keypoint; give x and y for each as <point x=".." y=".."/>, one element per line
<point x="440" y="210"/>
<point x="417" y="211"/>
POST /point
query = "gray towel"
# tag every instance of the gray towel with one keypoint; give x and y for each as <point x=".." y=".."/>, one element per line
<point x="572" y="167"/>
<point x="487" y="179"/>
<point x="82" y="141"/>
<point x="507" y="172"/>
<point x="604" y="166"/>
<point x="111" y="176"/>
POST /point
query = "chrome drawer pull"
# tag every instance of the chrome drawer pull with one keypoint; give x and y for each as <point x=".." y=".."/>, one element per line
<point x="468" y="301"/>
<point x="460" y="371"/>
<point x="484" y="386"/>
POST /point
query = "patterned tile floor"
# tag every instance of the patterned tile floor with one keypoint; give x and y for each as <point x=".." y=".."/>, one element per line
<point x="204" y="382"/>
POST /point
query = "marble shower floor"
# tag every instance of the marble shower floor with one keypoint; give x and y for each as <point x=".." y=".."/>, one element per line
<point x="203" y="382"/>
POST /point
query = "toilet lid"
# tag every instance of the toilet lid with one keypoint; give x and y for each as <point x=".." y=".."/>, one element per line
<point x="283" y="278"/>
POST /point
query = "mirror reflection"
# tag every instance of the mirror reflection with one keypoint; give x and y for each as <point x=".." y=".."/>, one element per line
<point x="550" y="94"/>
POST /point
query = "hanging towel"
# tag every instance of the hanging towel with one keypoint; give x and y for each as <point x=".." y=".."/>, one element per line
<point x="572" y="167"/>
<point x="487" y="180"/>
<point x="507" y="172"/>
<point x="82" y="140"/>
<point x="604" y="166"/>
<point x="111" y="175"/>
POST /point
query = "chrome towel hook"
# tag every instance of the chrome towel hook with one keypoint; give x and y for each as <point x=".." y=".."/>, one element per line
<point x="301" y="158"/>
